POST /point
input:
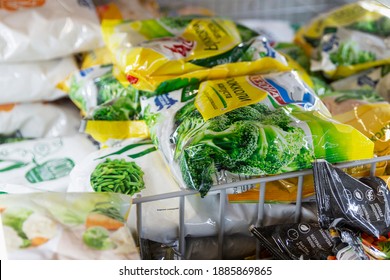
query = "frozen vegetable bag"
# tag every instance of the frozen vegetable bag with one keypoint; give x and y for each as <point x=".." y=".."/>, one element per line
<point x="348" y="39"/>
<point x="47" y="29"/>
<point x="42" y="164"/>
<point x="136" y="168"/>
<point x="67" y="226"/>
<point x="161" y="55"/>
<point x="34" y="81"/>
<point x="250" y="125"/>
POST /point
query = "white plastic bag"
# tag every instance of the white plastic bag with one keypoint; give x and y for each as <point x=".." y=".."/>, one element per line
<point x="40" y="30"/>
<point x="34" y="120"/>
<point x="43" y="164"/>
<point x="67" y="226"/>
<point x="34" y="81"/>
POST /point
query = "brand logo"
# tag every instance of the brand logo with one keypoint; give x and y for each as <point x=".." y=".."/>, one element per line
<point x="260" y="82"/>
<point x="164" y="100"/>
<point x="179" y="46"/>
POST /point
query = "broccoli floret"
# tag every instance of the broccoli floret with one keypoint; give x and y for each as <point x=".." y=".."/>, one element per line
<point x="197" y="167"/>
<point x="251" y="140"/>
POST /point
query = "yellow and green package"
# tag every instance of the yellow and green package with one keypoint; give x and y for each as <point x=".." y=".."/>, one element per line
<point x="110" y="110"/>
<point x="252" y="125"/>
<point x="165" y="54"/>
<point x="347" y="40"/>
<point x="67" y="226"/>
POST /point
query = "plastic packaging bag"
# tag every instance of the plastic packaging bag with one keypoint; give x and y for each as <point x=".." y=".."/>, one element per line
<point x="34" y="81"/>
<point x="67" y="226"/>
<point x="376" y="79"/>
<point x="43" y="164"/>
<point x="343" y="201"/>
<point x="161" y="55"/>
<point x="36" y="120"/>
<point x="235" y="126"/>
<point x="55" y="29"/>
<point x="348" y="39"/>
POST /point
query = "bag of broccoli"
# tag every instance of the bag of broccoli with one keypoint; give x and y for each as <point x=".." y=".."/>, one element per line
<point x="56" y="28"/>
<point x="67" y="226"/>
<point x="348" y="39"/>
<point x="251" y="125"/>
<point x="165" y="54"/>
<point x="43" y="164"/>
<point x="34" y="81"/>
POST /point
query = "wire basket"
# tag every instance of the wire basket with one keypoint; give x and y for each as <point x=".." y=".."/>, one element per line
<point x="294" y="11"/>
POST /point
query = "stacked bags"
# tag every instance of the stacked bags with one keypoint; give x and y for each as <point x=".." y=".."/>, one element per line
<point x="349" y="61"/>
<point x="38" y="43"/>
<point x="221" y="103"/>
<point x="38" y="124"/>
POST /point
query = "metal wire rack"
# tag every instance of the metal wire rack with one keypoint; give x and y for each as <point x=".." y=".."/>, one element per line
<point x="295" y="11"/>
<point x="221" y="190"/>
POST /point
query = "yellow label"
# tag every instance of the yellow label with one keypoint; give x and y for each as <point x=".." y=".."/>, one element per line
<point x="100" y="56"/>
<point x="102" y="131"/>
<point x="212" y="37"/>
<point x="221" y="96"/>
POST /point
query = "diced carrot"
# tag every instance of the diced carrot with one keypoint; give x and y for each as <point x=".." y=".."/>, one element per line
<point x="332" y="258"/>
<point x="36" y="241"/>
<point x="96" y="219"/>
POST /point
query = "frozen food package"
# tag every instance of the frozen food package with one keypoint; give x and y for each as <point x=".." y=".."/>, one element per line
<point x="100" y="96"/>
<point x="308" y="241"/>
<point x="35" y="81"/>
<point x="39" y="119"/>
<point x="161" y="55"/>
<point x="365" y="110"/>
<point x="132" y="169"/>
<point x="43" y="164"/>
<point x="377" y="248"/>
<point x="56" y="28"/>
<point x="376" y="79"/>
<point x="67" y="226"/>
<point x="250" y="125"/>
<point x="294" y="241"/>
<point x="360" y="204"/>
<point x="347" y="39"/>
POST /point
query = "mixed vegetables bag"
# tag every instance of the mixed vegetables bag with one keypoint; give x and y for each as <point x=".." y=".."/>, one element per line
<point x="67" y="226"/>
<point x="250" y="125"/>
<point x="347" y="39"/>
<point x="161" y="55"/>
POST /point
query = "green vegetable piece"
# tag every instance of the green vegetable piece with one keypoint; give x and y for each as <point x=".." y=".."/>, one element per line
<point x="98" y="238"/>
<point x="118" y="175"/>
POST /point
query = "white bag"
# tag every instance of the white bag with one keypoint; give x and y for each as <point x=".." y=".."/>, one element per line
<point x="35" y="120"/>
<point x="42" y="164"/>
<point x="34" y="81"/>
<point x="47" y="29"/>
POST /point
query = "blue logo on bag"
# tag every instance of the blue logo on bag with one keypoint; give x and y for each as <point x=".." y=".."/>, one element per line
<point x="164" y="100"/>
